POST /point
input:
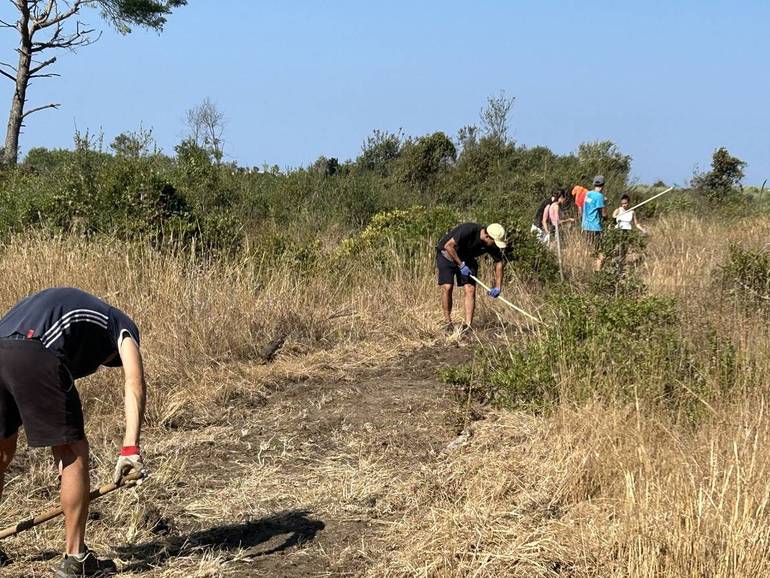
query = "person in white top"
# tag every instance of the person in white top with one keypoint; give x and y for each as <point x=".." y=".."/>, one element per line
<point x="624" y="219"/>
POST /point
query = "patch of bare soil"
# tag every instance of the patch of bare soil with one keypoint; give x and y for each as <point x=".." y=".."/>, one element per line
<point x="303" y="483"/>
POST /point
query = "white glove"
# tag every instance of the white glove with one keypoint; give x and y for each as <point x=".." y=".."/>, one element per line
<point x="128" y="463"/>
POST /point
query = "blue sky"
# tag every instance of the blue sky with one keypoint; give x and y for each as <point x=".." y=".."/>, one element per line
<point x="667" y="81"/>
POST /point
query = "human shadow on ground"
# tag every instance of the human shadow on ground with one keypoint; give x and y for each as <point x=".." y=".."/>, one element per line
<point x="255" y="538"/>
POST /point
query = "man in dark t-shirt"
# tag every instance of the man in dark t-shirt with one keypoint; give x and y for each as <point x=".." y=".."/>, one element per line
<point x="48" y="340"/>
<point x="456" y="258"/>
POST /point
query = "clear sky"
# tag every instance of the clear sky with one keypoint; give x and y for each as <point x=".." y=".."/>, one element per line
<point x="668" y="81"/>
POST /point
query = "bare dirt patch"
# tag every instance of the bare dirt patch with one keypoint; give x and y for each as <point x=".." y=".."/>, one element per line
<point x="303" y="482"/>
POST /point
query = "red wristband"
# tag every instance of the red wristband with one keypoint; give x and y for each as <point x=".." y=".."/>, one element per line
<point x="129" y="451"/>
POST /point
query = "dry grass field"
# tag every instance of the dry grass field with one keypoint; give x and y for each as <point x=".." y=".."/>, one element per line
<point x="333" y="460"/>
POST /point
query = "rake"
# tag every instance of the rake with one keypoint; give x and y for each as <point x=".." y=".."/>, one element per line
<point x="509" y="304"/>
<point x="126" y="482"/>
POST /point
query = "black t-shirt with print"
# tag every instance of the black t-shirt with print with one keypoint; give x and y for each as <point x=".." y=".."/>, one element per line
<point x="80" y="329"/>
<point x="468" y="243"/>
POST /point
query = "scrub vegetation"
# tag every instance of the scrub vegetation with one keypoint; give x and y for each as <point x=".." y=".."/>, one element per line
<point x="623" y="437"/>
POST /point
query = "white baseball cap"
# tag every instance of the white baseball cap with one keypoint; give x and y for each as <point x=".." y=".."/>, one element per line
<point x="497" y="232"/>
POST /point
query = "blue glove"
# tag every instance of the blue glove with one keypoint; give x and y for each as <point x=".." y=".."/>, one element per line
<point x="494" y="292"/>
<point x="465" y="271"/>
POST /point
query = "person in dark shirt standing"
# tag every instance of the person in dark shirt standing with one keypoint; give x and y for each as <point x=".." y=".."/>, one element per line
<point x="456" y="258"/>
<point x="540" y="222"/>
<point x="47" y="341"/>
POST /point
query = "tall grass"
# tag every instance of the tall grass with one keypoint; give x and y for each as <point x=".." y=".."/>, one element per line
<point x="611" y="486"/>
<point x="599" y="486"/>
<point x="203" y="324"/>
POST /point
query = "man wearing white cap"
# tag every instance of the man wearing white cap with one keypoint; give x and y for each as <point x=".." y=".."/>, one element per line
<point x="456" y="259"/>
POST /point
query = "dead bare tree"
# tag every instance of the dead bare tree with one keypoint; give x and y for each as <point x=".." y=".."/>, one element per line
<point x="44" y="26"/>
<point x="206" y="124"/>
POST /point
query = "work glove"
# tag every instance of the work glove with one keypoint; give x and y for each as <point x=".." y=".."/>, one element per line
<point x="465" y="271"/>
<point x="130" y="460"/>
<point x="494" y="292"/>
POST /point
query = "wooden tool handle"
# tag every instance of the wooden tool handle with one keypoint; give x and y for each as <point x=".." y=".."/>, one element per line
<point x="127" y="482"/>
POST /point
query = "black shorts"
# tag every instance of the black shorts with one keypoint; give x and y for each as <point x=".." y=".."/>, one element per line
<point x="37" y="390"/>
<point x="594" y="239"/>
<point x="449" y="272"/>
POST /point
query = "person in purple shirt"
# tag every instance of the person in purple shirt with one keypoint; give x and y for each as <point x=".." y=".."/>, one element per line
<point x="47" y="341"/>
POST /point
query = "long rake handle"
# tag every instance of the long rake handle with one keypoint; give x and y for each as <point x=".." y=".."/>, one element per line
<point x="508" y="303"/>
<point x="127" y="482"/>
<point x="652" y="198"/>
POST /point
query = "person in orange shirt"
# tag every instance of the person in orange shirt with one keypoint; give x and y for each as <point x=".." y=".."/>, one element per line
<point x="579" y="193"/>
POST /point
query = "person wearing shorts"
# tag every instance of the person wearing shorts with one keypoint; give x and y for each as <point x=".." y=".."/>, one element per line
<point x="457" y="256"/>
<point x="47" y="341"/>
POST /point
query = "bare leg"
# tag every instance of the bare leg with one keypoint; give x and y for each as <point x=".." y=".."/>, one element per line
<point x="446" y="302"/>
<point x="72" y="460"/>
<point x="470" y="303"/>
<point x="7" y="451"/>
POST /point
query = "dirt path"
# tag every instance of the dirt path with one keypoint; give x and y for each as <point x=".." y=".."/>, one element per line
<point x="303" y="484"/>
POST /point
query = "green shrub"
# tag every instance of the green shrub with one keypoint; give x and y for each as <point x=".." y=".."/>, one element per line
<point x="621" y="349"/>
<point x="746" y="274"/>
<point x="623" y="252"/>
<point x="529" y="259"/>
<point x="405" y="232"/>
<point x="279" y="248"/>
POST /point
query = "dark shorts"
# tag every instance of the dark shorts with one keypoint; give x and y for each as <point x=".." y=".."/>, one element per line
<point x="37" y="390"/>
<point x="594" y="239"/>
<point x="449" y="272"/>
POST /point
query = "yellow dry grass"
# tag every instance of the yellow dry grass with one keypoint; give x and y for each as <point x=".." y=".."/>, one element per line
<point x="594" y="489"/>
<point x="202" y="325"/>
<point x="611" y="490"/>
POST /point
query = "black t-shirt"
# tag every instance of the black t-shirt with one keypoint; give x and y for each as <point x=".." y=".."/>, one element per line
<point x="468" y="243"/>
<point x="80" y="329"/>
<point x="538" y="222"/>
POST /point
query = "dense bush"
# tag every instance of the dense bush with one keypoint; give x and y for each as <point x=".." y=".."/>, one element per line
<point x="529" y="259"/>
<point x="132" y="189"/>
<point x="619" y="349"/>
<point x="404" y="232"/>
<point x="623" y="253"/>
<point x="746" y="274"/>
<point x="89" y="192"/>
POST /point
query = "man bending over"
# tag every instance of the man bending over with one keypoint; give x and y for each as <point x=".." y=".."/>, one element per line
<point x="47" y="341"/>
<point x="456" y="259"/>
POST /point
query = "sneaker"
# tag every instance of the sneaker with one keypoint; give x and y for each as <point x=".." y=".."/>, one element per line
<point x="4" y="559"/>
<point x="449" y="329"/>
<point x="90" y="565"/>
<point x="465" y="329"/>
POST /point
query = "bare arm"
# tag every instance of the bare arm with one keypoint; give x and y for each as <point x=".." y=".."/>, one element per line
<point x="451" y="249"/>
<point x="135" y="391"/>
<point x="637" y="225"/>
<point x="545" y="218"/>
<point x="499" y="267"/>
